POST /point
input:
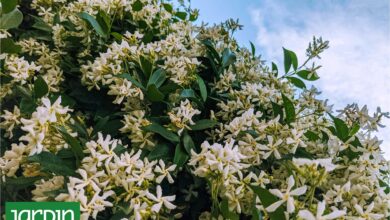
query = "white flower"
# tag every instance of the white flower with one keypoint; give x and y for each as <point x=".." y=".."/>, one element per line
<point x="287" y="196"/>
<point x="368" y="214"/>
<point x="164" y="172"/>
<point x="325" y="163"/>
<point x="181" y="117"/>
<point x="307" y="215"/>
<point x="166" y="200"/>
<point x="271" y="147"/>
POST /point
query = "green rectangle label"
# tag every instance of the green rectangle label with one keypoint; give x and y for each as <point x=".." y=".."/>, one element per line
<point x="42" y="210"/>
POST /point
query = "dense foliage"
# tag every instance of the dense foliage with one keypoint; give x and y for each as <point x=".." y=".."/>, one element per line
<point x="130" y="109"/>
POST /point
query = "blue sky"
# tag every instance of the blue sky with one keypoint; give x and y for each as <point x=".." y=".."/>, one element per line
<point x="356" y="67"/>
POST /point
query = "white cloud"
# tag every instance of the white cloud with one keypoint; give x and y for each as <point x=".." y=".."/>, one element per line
<point x="356" y="67"/>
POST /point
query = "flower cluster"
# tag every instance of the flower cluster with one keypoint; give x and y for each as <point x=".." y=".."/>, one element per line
<point x="134" y="111"/>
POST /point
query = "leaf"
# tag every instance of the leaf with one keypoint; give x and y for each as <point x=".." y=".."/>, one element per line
<point x="202" y="87"/>
<point x="137" y="6"/>
<point x="307" y="75"/>
<point x="290" y="58"/>
<point x="146" y="66"/>
<point x="8" y="6"/>
<point x="267" y="199"/>
<point x="354" y="129"/>
<point x="188" y="143"/>
<point x="187" y="93"/>
<point x="311" y="136"/>
<point x="100" y="125"/>
<point x="21" y="182"/>
<point x="342" y="130"/>
<point x="52" y="163"/>
<point x="94" y="23"/>
<point x="181" y="14"/>
<point x="226" y="213"/>
<point x="7" y="45"/>
<point x="296" y="82"/>
<point x="73" y="143"/>
<point x="160" y="151"/>
<point x="40" y="87"/>
<point x="256" y="214"/>
<point x="11" y="20"/>
<point x="181" y="156"/>
<point x="287" y="60"/>
<point x="131" y="79"/>
<point x="168" y="7"/>
<point x="275" y="69"/>
<point x="203" y="124"/>
<point x="157" y="128"/>
<point x="40" y="24"/>
<point x="157" y="78"/>
<point x="153" y="94"/>
<point x="228" y="58"/>
<point x="289" y="109"/>
<point x="253" y="48"/>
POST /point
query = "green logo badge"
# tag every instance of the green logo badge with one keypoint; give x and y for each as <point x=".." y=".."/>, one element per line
<point x="42" y="210"/>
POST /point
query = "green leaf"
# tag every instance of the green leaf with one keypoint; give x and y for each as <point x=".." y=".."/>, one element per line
<point x="296" y="82"/>
<point x="256" y="214"/>
<point x="52" y="163"/>
<point x="311" y="136"/>
<point x="181" y="156"/>
<point x="287" y="60"/>
<point x="188" y="143"/>
<point x="40" y="24"/>
<point x="290" y="58"/>
<point x="137" y="6"/>
<point x="203" y="124"/>
<point x="267" y="199"/>
<point x="253" y="49"/>
<point x="354" y="129"/>
<point x="94" y="23"/>
<point x="289" y="109"/>
<point x="202" y="87"/>
<point x="21" y="182"/>
<point x="228" y="58"/>
<point x="100" y="125"/>
<point x="153" y="94"/>
<point x="146" y="66"/>
<point x="181" y="14"/>
<point x="226" y="213"/>
<point x="131" y="79"/>
<point x="73" y="143"/>
<point x="187" y="93"/>
<point x="117" y="35"/>
<point x="157" y="78"/>
<point x="11" y="20"/>
<point x="307" y="75"/>
<point x="8" y="6"/>
<point x="7" y="45"/>
<point x="40" y="87"/>
<point x="167" y="134"/>
<point x="168" y="7"/>
<point x="342" y="130"/>
<point x="275" y="69"/>
<point x="160" y="151"/>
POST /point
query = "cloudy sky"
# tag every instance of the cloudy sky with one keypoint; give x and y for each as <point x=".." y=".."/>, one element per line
<point x="356" y="67"/>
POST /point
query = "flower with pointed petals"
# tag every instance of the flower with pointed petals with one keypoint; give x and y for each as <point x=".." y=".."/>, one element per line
<point x="307" y="215"/>
<point x="161" y="200"/>
<point x="287" y="196"/>
<point x="165" y="172"/>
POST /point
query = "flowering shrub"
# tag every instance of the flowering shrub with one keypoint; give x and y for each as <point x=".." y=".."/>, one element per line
<point x="133" y="111"/>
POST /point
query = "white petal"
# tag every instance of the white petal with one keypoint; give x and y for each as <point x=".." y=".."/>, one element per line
<point x="306" y="215"/>
<point x="290" y="205"/>
<point x="274" y="206"/>
<point x="334" y="214"/>
<point x="299" y="191"/>
<point x="276" y="192"/>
